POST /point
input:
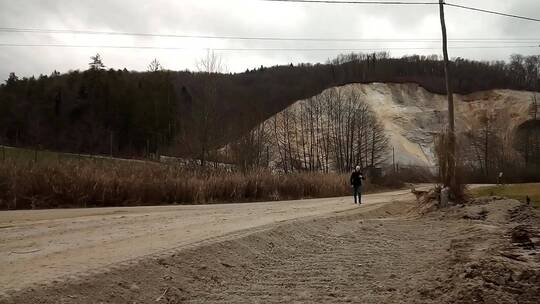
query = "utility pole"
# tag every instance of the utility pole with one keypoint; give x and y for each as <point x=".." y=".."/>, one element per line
<point x="449" y="178"/>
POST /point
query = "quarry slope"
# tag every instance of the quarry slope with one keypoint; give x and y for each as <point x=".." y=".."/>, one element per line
<point x="412" y="116"/>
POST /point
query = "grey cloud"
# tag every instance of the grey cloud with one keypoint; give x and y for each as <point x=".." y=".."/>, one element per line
<point x="240" y="18"/>
<point x="523" y="28"/>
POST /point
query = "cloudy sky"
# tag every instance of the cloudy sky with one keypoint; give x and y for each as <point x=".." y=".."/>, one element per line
<point x="248" y="18"/>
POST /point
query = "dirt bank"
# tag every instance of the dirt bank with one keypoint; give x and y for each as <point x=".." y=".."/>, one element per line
<point x="482" y="253"/>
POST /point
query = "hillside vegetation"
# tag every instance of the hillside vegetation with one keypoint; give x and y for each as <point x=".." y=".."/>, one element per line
<point x="185" y="113"/>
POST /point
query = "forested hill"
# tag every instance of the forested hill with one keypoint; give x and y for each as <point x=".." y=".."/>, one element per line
<point x="186" y="113"/>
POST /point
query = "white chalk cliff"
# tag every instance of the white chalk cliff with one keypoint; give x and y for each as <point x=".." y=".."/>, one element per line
<point x="411" y="115"/>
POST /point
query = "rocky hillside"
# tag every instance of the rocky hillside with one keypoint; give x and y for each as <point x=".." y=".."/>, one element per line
<point x="411" y="115"/>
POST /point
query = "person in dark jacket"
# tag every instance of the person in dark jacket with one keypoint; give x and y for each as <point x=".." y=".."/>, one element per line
<point x="356" y="183"/>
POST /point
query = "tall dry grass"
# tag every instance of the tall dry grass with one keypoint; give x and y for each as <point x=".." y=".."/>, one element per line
<point x="97" y="184"/>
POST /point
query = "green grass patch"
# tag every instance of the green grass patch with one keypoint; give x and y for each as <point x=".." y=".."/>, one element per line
<point x="25" y="155"/>
<point x="515" y="191"/>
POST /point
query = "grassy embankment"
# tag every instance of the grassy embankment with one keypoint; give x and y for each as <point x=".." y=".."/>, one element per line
<point x="43" y="156"/>
<point x="66" y="180"/>
<point x="515" y="191"/>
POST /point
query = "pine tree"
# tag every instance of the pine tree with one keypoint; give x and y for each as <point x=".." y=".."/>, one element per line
<point x="97" y="63"/>
<point x="12" y="79"/>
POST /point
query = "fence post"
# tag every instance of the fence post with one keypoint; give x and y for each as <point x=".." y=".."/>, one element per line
<point x="445" y="193"/>
<point x="147" y="148"/>
<point x="111" y="143"/>
<point x="393" y="160"/>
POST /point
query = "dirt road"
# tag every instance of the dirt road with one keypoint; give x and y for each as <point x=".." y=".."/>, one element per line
<point x="43" y="246"/>
<point x="480" y="252"/>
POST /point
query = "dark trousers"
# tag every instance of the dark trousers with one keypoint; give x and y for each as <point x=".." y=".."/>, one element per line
<point x="357" y="192"/>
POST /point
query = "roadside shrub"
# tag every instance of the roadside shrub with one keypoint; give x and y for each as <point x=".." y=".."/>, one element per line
<point x="98" y="184"/>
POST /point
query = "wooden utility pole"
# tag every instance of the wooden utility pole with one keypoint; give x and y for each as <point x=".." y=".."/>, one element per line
<point x="449" y="178"/>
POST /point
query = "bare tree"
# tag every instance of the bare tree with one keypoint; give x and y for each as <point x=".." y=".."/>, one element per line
<point x="332" y="131"/>
<point x="211" y="63"/>
<point x="251" y="150"/>
<point x="378" y="142"/>
<point x="205" y="114"/>
<point x="155" y="66"/>
<point x="482" y="149"/>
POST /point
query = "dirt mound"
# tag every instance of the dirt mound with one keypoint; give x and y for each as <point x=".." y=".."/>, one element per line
<point x="503" y="267"/>
<point x="496" y="281"/>
<point x="427" y="201"/>
<point x="478" y="216"/>
<point x="521" y="236"/>
<point x="484" y="200"/>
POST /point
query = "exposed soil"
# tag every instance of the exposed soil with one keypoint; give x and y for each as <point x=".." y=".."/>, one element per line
<point x="478" y="253"/>
<point x="62" y="243"/>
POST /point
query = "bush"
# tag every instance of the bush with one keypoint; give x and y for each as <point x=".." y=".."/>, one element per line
<point x="99" y="184"/>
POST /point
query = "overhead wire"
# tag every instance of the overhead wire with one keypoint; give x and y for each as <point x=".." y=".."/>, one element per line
<point x="409" y="3"/>
<point x="426" y="40"/>
<point x="261" y="38"/>
<point x="491" y="12"/>
<point x="254" y="49"/>
<point x="357" y="2"/>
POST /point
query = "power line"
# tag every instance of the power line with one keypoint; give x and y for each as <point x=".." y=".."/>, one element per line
<point x="408" y="3"/>
<point x="267" y="38"/>
<point x="355" y="2"/>
<point x="254" y="49"/>
<point x="492" y="12"/>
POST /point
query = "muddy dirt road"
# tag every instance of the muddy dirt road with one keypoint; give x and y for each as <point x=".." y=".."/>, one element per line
<point x="43" y="246"/>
